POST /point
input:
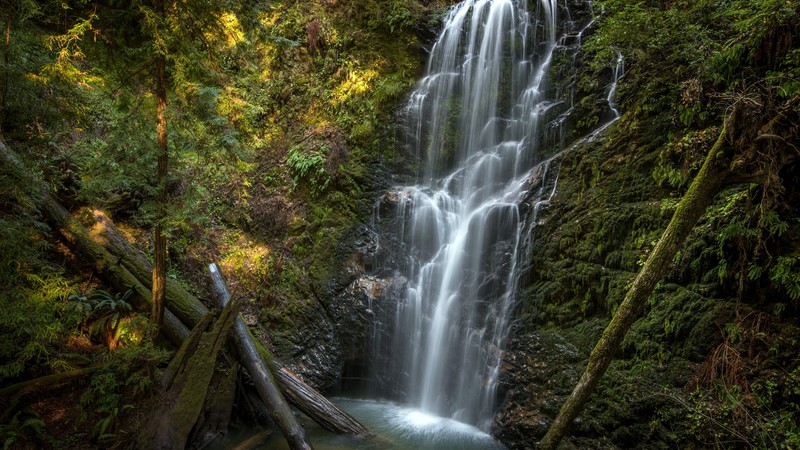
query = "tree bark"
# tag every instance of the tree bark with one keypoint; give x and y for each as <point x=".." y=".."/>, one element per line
<point x="315" y="405"/>
<point x="84" y="243"/>
<point x="159" y="240"/>
<point x="249" y="356"/>
<point x="10" y="396"/>
<point x="216" y="416"/>
<point x="302" y="396"/>
<point x="708" y="183"/>
<point x="169" y="428"/>
<point x="6" y="59"/>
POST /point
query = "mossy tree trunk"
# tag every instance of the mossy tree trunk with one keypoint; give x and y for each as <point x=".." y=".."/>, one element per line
<point x="263" y="379"/>
<point x="113" y="268"/>
<point x="708" y="183"/>
<point x="304" y="397"/>
<point x="171" y="425"/>
<point x="757" y="130"/>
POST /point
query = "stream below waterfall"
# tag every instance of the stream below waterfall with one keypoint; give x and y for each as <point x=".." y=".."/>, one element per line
<point x="396" y="427"/>
<point x="487" y="113"/>
<point x="485" y="123"/>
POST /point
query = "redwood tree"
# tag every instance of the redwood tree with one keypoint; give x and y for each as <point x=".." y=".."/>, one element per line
<point x="159" y="240"/>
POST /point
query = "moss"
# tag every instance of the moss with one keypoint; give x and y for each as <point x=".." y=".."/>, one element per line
<point x="679" y="321"/>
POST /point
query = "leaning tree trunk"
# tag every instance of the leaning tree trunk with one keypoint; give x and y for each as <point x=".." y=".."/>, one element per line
<point x="281" y="414"/>
<point x="701" y="193"/>
<point x="125" y="267"/>
<point x="304" y="397"/>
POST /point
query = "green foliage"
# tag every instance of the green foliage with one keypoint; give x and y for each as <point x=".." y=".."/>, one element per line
<point x="400" y="14"/>
<point x="644" y="32"/>
<point x="24" y="428"/>
<point x="308" y="167"/>
<point x="786" y="274"/>
<point x="750" y="23"/>
<point x="32" y="301"/>
<point x="128" y="374"/>
<point x="731" y="416"/>
<point x="785" y="78"/>
<point x="101" y="312"/>
<point x="744" y="236"/>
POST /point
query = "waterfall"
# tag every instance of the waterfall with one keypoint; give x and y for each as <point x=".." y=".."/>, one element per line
<point x="482" y="117"/>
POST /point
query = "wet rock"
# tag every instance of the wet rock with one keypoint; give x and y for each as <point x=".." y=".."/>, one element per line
<point x="353" y="313"/>
<point x="357" y="256"/>
<point x="537" y="374"/>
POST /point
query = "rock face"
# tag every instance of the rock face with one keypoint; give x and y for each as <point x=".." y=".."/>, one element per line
<point x="335" y="339"/>
<point x="537" y="374"/>
<point x="331" y="327"/>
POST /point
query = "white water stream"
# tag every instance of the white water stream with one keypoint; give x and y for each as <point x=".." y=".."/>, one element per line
<point x="482" y="123"/>
<point x="478" y="121"/>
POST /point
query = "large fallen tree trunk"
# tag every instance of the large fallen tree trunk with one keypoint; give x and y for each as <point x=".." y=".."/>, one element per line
<point x="125" y="267"/>
<point x="262" y="377"/>
<point x="301" y="395"/>
<point x="80" y="241"/>
<point x="188" y="380"/>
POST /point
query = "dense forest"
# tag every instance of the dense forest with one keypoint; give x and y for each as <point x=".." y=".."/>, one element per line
<point x="142" y="141"/>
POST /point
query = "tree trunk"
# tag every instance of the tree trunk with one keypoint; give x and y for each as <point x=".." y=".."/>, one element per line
<point x="315" y="405"/>
<point x="123" y="266"/>
<point x="249" y="356"/>
<point x="302" y="396"/>
<point x="159" y="240"/>
<point x="708" y="183"/>
<point x="84" y="243"/>
<point x="169" y="428"/>
<point x="183" y="304"/>
<point x="10" y="396"/>
<point x="6" y="59"/>
<point x="216" y="416"/>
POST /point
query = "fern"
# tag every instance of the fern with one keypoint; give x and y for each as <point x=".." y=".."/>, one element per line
<point x="101" y="313"/>
<point x="785" y="275"/>
<point x="308" y="167"/>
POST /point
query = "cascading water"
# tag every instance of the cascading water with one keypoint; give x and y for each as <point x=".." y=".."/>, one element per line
<point x="484" y="113"/>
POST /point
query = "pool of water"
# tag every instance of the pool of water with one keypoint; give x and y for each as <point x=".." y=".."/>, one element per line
<point x="396" y="427"/>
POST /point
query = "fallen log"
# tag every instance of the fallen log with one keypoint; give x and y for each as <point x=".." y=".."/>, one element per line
<point x="302" y="396"/>
<point x="11" y="396"/>
<point x="262" y="377"/>
<point x="182" y="404"/>
<point x="184" y="305"/>
<point x="125" y="267"/>
<point x="79" y="240"/>
<point x="316" y="406"/>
